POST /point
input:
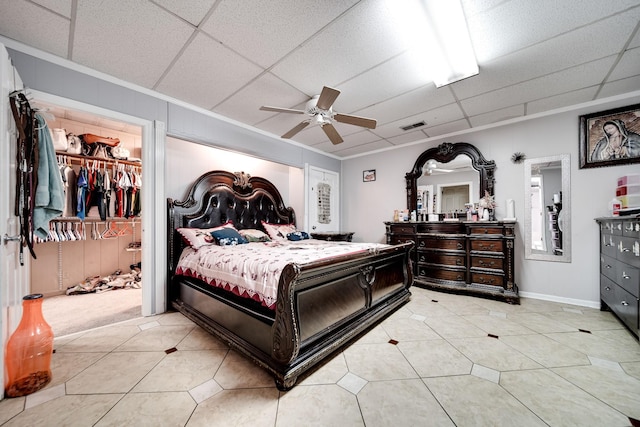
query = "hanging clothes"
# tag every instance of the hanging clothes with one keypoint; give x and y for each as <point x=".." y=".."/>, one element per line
<point x="49" y="193"/>
<point x="70" y="182"/>
<point x="81" y="192"/>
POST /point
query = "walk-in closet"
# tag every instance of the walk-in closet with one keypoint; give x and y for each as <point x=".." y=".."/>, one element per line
<point x="95" y="248"/>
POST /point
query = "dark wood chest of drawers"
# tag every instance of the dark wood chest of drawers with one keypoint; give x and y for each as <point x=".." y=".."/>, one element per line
<point x="474" y="258"/>
<point x="620" y="269"/>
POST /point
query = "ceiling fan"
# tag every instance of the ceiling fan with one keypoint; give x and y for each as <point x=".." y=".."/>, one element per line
<point x="431" y="166"/>
<point x="320" y="112"/>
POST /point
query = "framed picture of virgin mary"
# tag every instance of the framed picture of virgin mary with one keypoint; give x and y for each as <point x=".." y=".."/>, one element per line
<point x="610" y="138"/>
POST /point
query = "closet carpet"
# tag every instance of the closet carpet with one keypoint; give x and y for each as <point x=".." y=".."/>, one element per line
<point x="68" y="314"/>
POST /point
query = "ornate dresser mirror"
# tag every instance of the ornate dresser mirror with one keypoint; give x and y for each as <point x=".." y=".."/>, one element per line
<point x="449" y="154"/>
<point x="547" y="208"/>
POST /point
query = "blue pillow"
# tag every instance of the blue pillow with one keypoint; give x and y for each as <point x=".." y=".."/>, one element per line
<point x="298" y="235"/>
<point x="228" y="236"/>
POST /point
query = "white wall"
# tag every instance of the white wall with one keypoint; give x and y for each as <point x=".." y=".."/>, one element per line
<point x="186" y="161"/>
<point x="366" y="205"/>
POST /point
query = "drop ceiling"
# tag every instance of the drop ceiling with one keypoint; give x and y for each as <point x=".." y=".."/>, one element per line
<point x="231" y="57"/>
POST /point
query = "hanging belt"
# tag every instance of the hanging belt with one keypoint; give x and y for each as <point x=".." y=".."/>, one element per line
<point x="26" y="167"/>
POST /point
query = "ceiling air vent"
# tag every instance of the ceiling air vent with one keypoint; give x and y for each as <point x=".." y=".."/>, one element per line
<point x="413" y="126"/>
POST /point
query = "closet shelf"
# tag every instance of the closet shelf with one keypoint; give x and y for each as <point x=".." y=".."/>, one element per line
<point x="100" y="159"/>
<point x="116" y="219"/>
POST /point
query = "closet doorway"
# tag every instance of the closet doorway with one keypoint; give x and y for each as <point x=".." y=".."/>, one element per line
<point x="90" y="266"/>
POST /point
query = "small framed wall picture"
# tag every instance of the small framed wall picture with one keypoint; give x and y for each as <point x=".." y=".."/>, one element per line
<point x="610" y="138"/>
<point x="369" y="175"/>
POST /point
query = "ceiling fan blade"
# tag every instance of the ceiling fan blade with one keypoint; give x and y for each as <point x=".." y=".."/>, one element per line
<point x="355" y="120"/>
<point x="327" y="98"/>
<point x="281" y="110"/>
<point x="296" y="129"/>
<point x="332" y="133"/>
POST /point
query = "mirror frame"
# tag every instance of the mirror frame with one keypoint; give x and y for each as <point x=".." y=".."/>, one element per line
<point x="445" y="153"/>
<point x="565" y="165"/>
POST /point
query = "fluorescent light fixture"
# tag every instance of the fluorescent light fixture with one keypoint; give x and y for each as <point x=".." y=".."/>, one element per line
<point x="437" y="34"/>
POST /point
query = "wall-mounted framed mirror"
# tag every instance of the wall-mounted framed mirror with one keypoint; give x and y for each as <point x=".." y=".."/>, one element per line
<point x="449" y="164"/>
<point x="547" y="208"/>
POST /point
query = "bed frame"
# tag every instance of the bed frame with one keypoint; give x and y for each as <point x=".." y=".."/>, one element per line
<point x="321" y="308"/>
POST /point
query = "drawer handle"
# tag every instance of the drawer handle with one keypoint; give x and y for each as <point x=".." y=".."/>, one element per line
<point x="625" y="276"/>
<point x="459" y="245"/>
<point x="491" y="264"/>
<point x="607" y="266"/>
<point x="459" y="277"/>
<point x="458" y="261"/>
<point x="422" y="245"/>
<point x="485" y="280"/>
<point x="422" y="258"/>
<point x="486" y="247"/>
<point x="607" y="288"/>
<point x="624" y="303"/>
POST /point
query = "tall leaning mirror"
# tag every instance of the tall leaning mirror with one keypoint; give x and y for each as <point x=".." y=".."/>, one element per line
<point x="547" y="210"/>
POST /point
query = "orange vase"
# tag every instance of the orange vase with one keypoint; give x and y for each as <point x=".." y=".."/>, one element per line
<point x="28" y="353"/>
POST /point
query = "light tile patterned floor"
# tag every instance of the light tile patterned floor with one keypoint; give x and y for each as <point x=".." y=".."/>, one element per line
<point x="445" y="370"/>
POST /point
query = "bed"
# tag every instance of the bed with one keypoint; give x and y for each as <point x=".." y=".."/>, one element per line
<point x="319" y="307"/>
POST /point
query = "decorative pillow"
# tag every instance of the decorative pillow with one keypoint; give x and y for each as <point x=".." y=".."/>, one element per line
<point x="298" y="235"/>
<point x="278" y="231"/>
<point x="198" y="237"/>
<point x="228" y="236"/>
<point x="253" y="235"/>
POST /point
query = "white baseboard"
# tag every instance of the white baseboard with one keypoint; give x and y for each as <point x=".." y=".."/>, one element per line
<point x="553" y="298"/>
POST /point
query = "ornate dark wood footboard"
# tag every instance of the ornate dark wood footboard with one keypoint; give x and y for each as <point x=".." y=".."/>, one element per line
<point x="321" y="307"/>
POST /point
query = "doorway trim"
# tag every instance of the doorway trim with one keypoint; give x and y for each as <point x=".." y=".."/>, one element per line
<point x="154" y="239"/>
<point x="440" y="187"/>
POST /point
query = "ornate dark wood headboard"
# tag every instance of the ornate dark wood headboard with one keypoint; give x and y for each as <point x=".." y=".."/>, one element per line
<point x="220" y="196"/>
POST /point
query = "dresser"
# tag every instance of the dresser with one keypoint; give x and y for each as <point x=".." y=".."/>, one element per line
<point x="620" y="269"/>
<point x="473" y="258"/>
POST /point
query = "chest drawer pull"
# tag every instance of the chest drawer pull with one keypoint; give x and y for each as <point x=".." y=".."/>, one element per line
<point x="459" y="246"/>
<point x="624" y="303"/>
<point x="622" y="248"/>
<point x="607" y="266"/>
<point x="607" y="288"/>
<point x="625" y="276"/>
<point x="458" y="261"/>
<point x="487" y="247"/>
<point x="490" y="264"/>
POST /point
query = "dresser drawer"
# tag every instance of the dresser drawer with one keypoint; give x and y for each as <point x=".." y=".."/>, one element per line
<point x="629" y="250"/>
<point x="486" y="245"/>
<point x="607" y="290"/>
<point x="443" y="259"/>
<point x="611" y="227"/>
<point x="608" y="245"/>
<point x="631" y="228"/>
<point x="485" y="230"/>
<point x="402" y="228"/>
<point x="487" y="262"/>
<point x="629" y="278"/>
<point x="428" y="272"/>
<point x="484" y="278"/>
<point x="625" y="306"/>
<point x="456" y="244"/>
<point x="608" y="267"/>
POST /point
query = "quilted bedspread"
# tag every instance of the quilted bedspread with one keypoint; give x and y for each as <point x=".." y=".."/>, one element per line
<point x="253" y="270"/>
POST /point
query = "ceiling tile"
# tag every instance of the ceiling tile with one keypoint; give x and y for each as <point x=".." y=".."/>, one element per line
<point x="214" y="73"/>
<point x="628" y="66"/>
<point x="619" y="87"/>
<point x="408" y="104"/>
<point x="136" y="42"/>
<point x="577" y="47"/>
<point x="192" y="11"/>
<point x="268" y="30"/>
<point x="265" y="90"/>
<point x="497" y="115"/>
<point x="34" y="26"/>
<point x="374" y="85"/>
<point x="457" y="126"/>
<point x="360" y="39"/>
<point x="63" y="7"/>
<point x="523" y="23"/>
<point x="406" y="138"/>
<point x="364" y="148"/>
<point x="570" y="98"/>
<point x="552" y="84"/>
